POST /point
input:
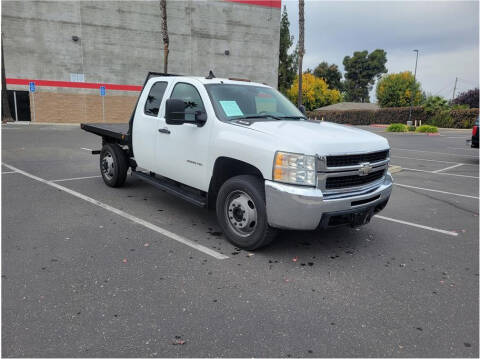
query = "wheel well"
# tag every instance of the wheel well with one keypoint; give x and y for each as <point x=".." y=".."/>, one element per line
<point x="224" y="169"/>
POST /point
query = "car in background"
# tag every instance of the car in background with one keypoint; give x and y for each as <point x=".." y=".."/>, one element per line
<point x="475" y="131"/>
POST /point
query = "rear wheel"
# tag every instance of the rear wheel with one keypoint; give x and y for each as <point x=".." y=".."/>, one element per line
<point x="113" y="165"/>
<point x="242" y="213"/>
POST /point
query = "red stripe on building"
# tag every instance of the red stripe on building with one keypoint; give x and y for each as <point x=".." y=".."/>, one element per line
<point x="81" y="85"/>
<point x="268" y="3"/>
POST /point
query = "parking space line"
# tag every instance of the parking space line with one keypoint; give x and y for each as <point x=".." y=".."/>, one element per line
<point x="123" y="214"/>
<point x="449" y="233"/>
<point x="441" y="173"/>
<point x="74" y="178"/>
<point x="7" y="172"/>
<point x="429" y="160"/>
<point x="438" y="153"/>
<point x="448" y="168"/>
<point x="435" y="190"/>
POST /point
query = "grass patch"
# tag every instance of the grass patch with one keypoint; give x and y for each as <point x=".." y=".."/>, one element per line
<point x="397" y="127"/>
<point x="427" y="129"/>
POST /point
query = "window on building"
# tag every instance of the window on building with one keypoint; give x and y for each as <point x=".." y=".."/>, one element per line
<point x="154" y="99"/>
<point x="189" y="94"/>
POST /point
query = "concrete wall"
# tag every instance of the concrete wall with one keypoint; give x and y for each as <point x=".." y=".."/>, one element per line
<point x="120" y="41"/>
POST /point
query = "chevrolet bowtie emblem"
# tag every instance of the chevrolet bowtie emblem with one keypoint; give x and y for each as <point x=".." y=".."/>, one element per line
<point x="365" y="169"/>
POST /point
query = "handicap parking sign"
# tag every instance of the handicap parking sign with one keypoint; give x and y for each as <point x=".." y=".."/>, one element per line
<point x="32" y="86"/>
<point x="102" y="90"/>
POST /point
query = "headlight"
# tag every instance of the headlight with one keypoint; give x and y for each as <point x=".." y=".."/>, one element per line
<point x="294" y="168"/>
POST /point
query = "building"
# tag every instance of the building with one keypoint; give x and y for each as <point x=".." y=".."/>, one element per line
<point x="69" y="49"/>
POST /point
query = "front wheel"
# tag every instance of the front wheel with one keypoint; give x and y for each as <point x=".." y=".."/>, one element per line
<point x="113" y="165"/>
<point x="242" y="213"/>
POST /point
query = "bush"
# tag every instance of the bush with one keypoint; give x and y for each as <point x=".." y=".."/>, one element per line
<point x="441" y="119"/>
<point x="397" y="127"/>
<point x="459" y="118"/>
<point x="427" y="129"/>
<point x="469" y="98"/>
<point x="411" y="128"/>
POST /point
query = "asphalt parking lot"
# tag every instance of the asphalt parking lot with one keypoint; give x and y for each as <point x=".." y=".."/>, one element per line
<point x="93" y="271"/>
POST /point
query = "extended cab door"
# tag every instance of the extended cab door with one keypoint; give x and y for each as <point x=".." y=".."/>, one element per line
<point x="146" y="123"/>
<point x="182" y="150"/>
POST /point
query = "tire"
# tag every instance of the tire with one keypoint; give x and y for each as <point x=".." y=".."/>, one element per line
<point x="242" y="213"/>
<point x="113" y="165"/>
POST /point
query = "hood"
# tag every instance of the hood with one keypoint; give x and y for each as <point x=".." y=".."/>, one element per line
<point x="319" y="137"/>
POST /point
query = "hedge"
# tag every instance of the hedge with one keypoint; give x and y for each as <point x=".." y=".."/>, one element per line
<point x="459" y="118"/>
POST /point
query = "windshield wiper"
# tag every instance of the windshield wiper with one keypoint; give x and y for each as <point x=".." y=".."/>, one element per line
<point x="259" y="116"/>
<point x="294" y="117"/>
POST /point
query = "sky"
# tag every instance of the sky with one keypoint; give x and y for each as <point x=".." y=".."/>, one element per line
<point x="446" y="33"/>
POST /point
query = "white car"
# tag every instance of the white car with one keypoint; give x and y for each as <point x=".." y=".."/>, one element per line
<point x="243" y="148"/>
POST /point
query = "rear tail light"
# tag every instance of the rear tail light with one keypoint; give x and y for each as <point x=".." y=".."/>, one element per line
<point x="474" y="130"/>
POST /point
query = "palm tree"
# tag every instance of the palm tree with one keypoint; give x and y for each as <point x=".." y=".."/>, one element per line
<point x="163" y="7"/>
<point x="301" y="47"/>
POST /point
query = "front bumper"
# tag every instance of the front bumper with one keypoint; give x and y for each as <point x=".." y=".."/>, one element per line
<point x="302" y="208"/>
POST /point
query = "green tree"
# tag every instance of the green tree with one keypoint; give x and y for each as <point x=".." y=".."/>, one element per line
<point x="361" y="71"/>
<point x="435" y="104"/>
<point x="331" y="75"/>
<point x="395" y="90"/>
<point x="288" y="60"/>
<point x="315" y="92"/>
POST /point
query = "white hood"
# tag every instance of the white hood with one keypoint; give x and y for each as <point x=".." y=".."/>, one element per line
<point x="321" y="138"/>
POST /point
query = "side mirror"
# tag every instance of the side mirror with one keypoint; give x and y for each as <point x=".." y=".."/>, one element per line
<point x="200" y="118"/>
<point x="175" y="112"/>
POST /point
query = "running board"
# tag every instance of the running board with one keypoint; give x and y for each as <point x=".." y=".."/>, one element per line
<point x="166" y="186"/>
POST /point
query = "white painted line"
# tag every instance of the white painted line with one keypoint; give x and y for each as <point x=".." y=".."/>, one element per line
<point x="438" y="153"/>
<point x="448" y="168"/>
<point x="449" y="233"/>
<point x="86" y="149"/>
<point x="465" y="149"/>
<point x="441" y="173"/>
<point x="74" y="178"/>
<point x="428" y="160"/>
<point x="456" y="137"/>
<point x="435" y="190"/>
<point x="123" y="214"/>
<point x="7" y="172"/>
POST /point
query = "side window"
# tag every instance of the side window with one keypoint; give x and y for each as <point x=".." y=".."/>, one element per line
<point x="189" y="94"/>
<point x="154" y="99"/>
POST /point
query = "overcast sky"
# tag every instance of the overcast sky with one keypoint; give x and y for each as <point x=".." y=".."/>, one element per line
<point x="445" y="32"/>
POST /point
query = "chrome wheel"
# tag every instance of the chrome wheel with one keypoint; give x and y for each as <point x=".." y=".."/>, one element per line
<point x="241" y="213"/>
<point x="108" y="166"/>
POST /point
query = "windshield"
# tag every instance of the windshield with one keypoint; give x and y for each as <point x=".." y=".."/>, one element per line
<point x="244" y="101"/>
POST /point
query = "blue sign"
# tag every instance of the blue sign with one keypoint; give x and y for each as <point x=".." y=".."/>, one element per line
<point x="102" y="90"/>
<point x="32" y="86"/>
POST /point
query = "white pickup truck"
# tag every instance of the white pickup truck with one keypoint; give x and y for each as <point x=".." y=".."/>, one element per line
<point x="244" y="149"/>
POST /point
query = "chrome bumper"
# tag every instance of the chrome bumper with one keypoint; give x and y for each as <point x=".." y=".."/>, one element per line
<point x="296" y="207"/>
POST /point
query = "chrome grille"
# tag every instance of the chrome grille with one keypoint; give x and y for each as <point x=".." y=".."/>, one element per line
<point x="352" y="160"/>
<point x="352" y="181"/>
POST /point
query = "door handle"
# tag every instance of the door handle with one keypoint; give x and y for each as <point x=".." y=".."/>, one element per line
<point x="164" y="130"/>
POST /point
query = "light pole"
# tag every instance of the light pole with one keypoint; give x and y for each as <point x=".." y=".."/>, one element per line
<point x="413" y="88"/>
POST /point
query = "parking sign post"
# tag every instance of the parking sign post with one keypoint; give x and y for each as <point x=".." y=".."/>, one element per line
<point x="102" y="94"/>
<point x="32" y="90"/>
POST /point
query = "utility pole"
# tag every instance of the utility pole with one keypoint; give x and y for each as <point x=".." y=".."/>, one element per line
<point x="454" y="88"/>
<point x="166" y="41"/>
<point x="301" y="48"/>
<point x="413" y="88"/>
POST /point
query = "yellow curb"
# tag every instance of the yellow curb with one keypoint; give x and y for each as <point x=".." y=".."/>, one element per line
<point x="394" y="169"/>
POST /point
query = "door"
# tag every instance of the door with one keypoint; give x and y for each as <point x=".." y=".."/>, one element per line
<point x="182" y="150"/>
<point x="146" y="124"/>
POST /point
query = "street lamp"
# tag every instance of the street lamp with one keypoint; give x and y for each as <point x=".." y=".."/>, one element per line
<point x="413" y="87"/>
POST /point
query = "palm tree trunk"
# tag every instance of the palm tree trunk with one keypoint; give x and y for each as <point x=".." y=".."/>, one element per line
<point x="301" y="47"/>
<point x="163" y="7"/>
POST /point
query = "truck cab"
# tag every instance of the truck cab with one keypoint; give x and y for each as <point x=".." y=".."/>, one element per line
<point x="244" y="149"/>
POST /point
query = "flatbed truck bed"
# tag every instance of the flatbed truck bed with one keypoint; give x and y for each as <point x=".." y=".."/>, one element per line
<point x="115" y="131"/>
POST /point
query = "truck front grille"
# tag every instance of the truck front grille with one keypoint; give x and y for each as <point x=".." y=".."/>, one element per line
<point x="352" y="160"/>
<point x="352" y="181"/>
